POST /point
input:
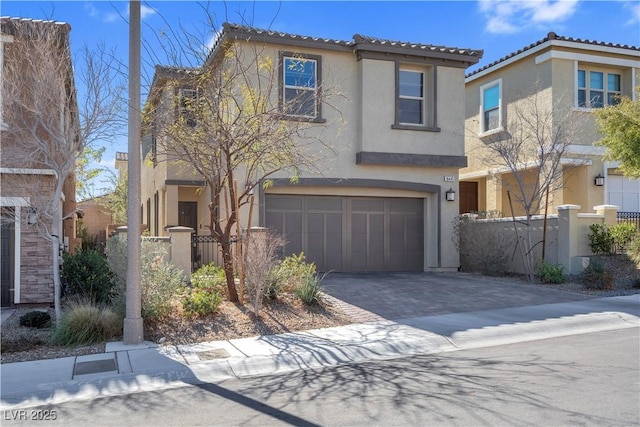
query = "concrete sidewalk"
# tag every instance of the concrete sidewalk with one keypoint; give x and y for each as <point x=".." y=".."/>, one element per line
<point x="127" y="369"/>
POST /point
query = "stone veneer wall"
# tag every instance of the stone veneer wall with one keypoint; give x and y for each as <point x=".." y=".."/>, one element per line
<point x="36" y="278"/>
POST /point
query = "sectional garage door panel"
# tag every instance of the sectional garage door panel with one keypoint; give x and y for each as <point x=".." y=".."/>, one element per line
<point x="351" y="233"/>
<point x="287" y="220"/>
<point x="624" y="192"/>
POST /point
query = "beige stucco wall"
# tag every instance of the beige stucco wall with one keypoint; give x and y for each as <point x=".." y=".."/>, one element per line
<point x="358" y="119"/>
<point x="555" y="72"/>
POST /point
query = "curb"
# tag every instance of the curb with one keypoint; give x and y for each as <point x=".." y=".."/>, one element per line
<point x="149" y="367"/>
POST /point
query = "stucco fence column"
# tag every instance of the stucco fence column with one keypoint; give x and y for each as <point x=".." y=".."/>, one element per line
<point x="180" y="252"/>
<point x="121" y="233"/>
<point x="568" y="237"/>
<point x="610" y="213"/>
<point x="179" y="249"/>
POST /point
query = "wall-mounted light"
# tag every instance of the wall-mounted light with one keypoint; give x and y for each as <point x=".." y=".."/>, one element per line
<point x="32" y="215"/>
<point x="450" y="195"/>
<point x="599" y="180"/>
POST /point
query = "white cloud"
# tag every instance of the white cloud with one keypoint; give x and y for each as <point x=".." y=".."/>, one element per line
<point x="115" y="15"/>
<point x="91" y="9"/>
<point x="146" y="11"/>
<point x="633" y="7"/>
<point x="554" y="11"/>
<point x="110" y="17"/>
<point x="510" y="16"/>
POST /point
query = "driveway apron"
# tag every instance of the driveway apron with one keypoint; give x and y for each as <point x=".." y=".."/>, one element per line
<point x="394" y="296"/>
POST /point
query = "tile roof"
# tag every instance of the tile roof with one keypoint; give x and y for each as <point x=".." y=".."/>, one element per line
<point x="236" y="30"/>
<point x="229" y="27"/>
<point x="553" y="36"/>
<point x="10" y="19"/>
<point x="424" y="47"/>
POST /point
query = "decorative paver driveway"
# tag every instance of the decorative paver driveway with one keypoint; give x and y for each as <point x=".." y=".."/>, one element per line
<point x="394" y="296"/>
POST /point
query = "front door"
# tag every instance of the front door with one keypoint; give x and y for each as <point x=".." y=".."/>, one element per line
<point x="188" y="215"/>
<point x="6" y="266"/>
<point x="468" y="197"/>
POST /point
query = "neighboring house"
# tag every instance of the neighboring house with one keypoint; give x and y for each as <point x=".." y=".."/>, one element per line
<point x="26" y="273"/>
<point x="397" y="139"/>
<point x="97" y="217"/>
<point x="576" y="75"/>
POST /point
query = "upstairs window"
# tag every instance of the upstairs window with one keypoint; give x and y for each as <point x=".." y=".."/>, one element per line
<point x="300" y="83"/>
<point x="415" y="97"/>
<point x="595" y="89"/>
<point x="491" y="106"/>
<point x="187" y="107"/>
<point x="411" y="97"/>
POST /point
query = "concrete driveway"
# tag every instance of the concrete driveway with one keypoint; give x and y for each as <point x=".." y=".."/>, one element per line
<point x="394" y="296"/>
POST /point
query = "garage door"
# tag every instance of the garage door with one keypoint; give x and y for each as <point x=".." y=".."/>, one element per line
<point x="624" y="192"/>
<point x="351" y="233"/>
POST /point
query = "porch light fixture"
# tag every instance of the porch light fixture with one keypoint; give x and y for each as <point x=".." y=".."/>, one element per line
<point x="450" y="195"/>
<point x="599" y="180"/>
<point x="32" y="216"/>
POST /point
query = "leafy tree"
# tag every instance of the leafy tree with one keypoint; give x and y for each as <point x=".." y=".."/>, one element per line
<point x="85" y="172"/>
<point x="115" y="202"/>
<point x="620" y="125"/>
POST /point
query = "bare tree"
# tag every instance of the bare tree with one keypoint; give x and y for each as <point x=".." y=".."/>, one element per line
<point x="530" y="149"/>
<point x="233" y="128"/>
<point x="262" y="250"/>
<point x="49" y="123"/>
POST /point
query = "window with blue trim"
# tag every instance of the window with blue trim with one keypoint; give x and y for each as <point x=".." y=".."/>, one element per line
<point x="491" y="106"/>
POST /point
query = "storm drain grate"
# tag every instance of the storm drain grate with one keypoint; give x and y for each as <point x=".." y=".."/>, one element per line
<point x="94" y="367"/>
<point x="218" y="353"/>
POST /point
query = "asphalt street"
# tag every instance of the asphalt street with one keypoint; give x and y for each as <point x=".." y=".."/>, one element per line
<point x="585" y="379"/>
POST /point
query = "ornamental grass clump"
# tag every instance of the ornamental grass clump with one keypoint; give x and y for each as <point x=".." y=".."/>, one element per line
<point x="85" y="323"/>
<point x="309" y="290"/>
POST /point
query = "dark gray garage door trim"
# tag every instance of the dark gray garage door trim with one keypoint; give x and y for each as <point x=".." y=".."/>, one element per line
<point x="359" y="183"/>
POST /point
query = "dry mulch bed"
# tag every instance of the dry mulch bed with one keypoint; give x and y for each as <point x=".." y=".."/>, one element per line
<point x="286" y="314"/>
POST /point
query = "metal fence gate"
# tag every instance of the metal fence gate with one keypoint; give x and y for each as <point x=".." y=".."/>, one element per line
<point x="630" y="218"/>
<point x="206" y="250"/>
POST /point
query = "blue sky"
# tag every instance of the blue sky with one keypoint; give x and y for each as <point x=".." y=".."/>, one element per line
<point x="499" y="27"/>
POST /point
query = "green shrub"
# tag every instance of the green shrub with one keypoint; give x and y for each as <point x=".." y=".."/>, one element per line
<point x="208" y="284"/>
<point x="551" y="273"/>
<point x="309" y="289"/>
<point x="36" y="319"/>
<point x="86" y="274"/>
<point x="85" y="323"/>
<point x="622" y="234"/>
<point x="161" y="281"/>
<point x="201" y="302"/>
<point x="634" y="250"/>
<point x="597" y="276"/>
<point x="600" y="239"/>
<point x="289" y="273"/>
<point x="210" y="277"/>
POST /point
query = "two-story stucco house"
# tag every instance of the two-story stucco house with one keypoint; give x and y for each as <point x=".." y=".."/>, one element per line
<point x="26" y="184"/>
<point x="378" y="201"/>
<point x="575" y="77"/>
